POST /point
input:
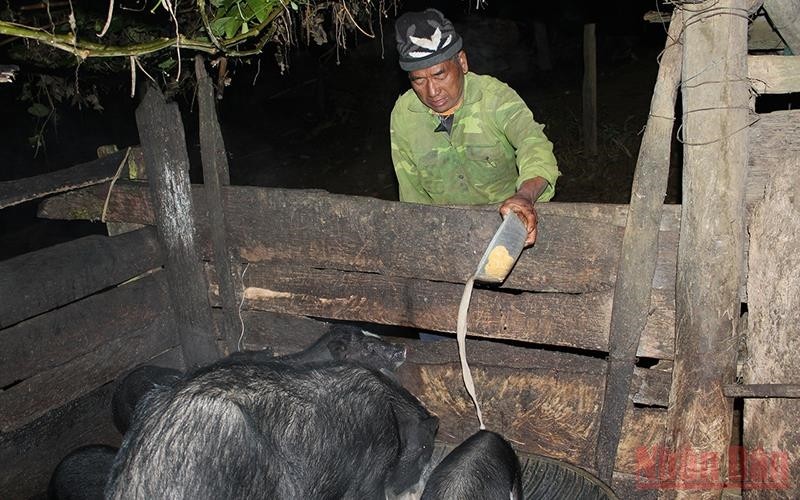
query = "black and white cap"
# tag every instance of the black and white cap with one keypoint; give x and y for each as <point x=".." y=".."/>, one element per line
<point x="424" y="39"/>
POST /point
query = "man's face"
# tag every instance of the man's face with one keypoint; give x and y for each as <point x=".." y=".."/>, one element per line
<point x="441" y="86"/>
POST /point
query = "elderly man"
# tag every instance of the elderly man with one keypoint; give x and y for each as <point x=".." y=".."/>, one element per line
<point x="461" y="138"/>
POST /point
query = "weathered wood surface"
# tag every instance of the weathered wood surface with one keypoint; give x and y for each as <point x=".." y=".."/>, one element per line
<point x="164" y="144"/>
<point x="550" y="411"/>
<point x="36" y="282"/>
<point x="216" y="175"/>
<point x="29" y="455"/>
<point x="711" y="252"/>
<point x="774" y="139"/>
<point x="53" y="339"/>
<point x="36" y="395"/>
<point x="545" y="402"/>
<point x="575" y="252"/>
<point x="789" y="391"/>
<point x="83" y="204"/>
<point x="286" y="333"/>
<point x="774" y="74"/>
<point x="607" y="213"/>
<point x="568" y="320"/>
<point x="86" y="174"/>
<point x="632" y="291"/>
<point x="261" y="328"/>
<point x="784" y="15"/>
<point x="762" y="37"/>
<point x="629" y="486"/>
<point x="87" y="204"/>
<point x="409" y="240"/>
<point x="772" y="338"/>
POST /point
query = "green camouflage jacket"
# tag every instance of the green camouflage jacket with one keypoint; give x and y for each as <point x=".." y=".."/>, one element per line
<point x="494" y="146"/>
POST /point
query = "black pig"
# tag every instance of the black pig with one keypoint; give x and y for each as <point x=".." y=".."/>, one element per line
<point x="483" y="467"/>
<point x="341" y="342"/>
<point x="133" y="386"/>
<point x="274" y="430"/>
<point x="82" y="474"/>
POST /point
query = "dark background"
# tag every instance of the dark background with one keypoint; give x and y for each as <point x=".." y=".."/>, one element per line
<point x="324" y="123"/>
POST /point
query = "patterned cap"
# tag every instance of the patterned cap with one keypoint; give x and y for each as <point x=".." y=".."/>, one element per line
<point x="424" y="39"/>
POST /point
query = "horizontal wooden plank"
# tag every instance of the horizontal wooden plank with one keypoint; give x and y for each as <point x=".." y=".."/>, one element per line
<point x="35" y="396"/>
<point x="789" y="391"/>
<point x="774" y="138"/>
<point x="130" y="202"/>
<point x="285" y="334"/>
<point x="545" y="401"/>
<point x="87" y="204"/>
<point x="410" y="240"/>
<point x="650" y="387"/>
<point x="774" y="74"/>
<point x="29" y="454"/>
<point x="86" y="174"/>
<point x="53" y="339"/>
<point x="573" y="254"/>
<point x="36" y="282"/>
<point x="569" y="320"/>
<point x="606" y="213"/>
<point x="171" y="358"/>
<point x="262" y="328"/>
<point x="547" y="410"/>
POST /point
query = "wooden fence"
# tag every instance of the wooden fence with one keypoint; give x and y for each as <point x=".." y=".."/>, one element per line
<point x="75" y="316"/>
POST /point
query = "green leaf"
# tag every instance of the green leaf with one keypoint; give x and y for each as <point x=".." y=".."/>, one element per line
<point x="39" y="110"/>
<point x="167" y="64"/>
<point x="259" y="9"/>
<point x="294" y="6"/>
<point x="218" y="25"/>
<point x="232" y="27"/>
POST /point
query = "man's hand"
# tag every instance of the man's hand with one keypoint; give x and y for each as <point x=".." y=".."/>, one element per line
<point x="521" y="203"/>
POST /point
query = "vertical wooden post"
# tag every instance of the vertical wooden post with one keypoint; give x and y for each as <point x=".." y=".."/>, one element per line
<point x="164" y="146"/>
<point x="637" y="266"/>
<point x="715" y="94"/>
<point x="772" y="426"/>
<point x="589" y="90"/>
<point x="216" y="175"/>
<point x="543" y="61"/>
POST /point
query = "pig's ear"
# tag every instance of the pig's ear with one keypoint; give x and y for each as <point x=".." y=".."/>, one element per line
<point x="337" y="348"/>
